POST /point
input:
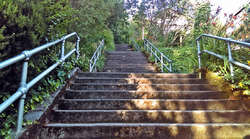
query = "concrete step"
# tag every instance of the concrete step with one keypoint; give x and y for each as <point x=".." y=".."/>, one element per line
<point x="123" y="53"/>
<point x="130" y="66"/>
<point x="146" y="130"/>
<point x="142" y="87"/>
<point x="127" y="58"/>
<point x="151" y="68"/>
<point x="150" y="116"/>
<point x="136" y="75"/>
<point x="122" y="47"/>
<point x="133" y="94"/>
<point x="132" y="61"/>
<point x="127" y="65"/>
<point x="129" y="70"/>
<point x="141" y="80"/>
<point x="118" y="57"/>
<point x="149" y="104"/>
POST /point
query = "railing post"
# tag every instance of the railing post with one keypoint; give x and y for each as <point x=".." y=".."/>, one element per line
<point x="23" y="86"/>
<point x="155" y="57"/>
<point x="62" y="52"/>
<point x="230" y="58"/>
<point x="144" y="43"/>
<point x="147" y="47"/>
<point x="161" y="62"/>
<point x="90" y="63"/>
<point x="170" y="67"/>
<point x="77" y="48"/>
<point x="151" y="50"/>
<point x="103" y="42"/>
<point x="199" y="56"/>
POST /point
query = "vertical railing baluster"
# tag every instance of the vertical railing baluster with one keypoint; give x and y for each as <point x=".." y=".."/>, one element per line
<point x="170" y="67"/>
<point x="151" y="51"/>
<point x="77" y="48"/>
<point x="230" y="58"/>
<point x="23" y="84"/>
<point x="90" y="64"/>
<point x="144" y="44"/>
<point x="62" y="52"/>
<point x="199" y="56"/>
<point x="198" y="53"/>
<point x="147" y="47"/>
<point x="155" y="57"/>
<point x="161" y="62"/>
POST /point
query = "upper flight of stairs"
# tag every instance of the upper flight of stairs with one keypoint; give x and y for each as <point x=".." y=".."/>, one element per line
<point x="130" y="100"/>
<point x="126" y="60"/>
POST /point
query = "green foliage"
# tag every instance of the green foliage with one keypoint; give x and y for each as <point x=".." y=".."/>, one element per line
<point x="27" y="24"/>
<point x="117" y="22"/>
<point x="202" y="24"/>
<point x="108" y="37"/>
<point x="91" y="17"/>
<point x="184" y="59"/>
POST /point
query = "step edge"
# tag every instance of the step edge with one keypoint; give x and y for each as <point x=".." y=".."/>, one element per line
<point x="181" y="111"/>
<point x="187" y="100"/>
<point x="140" y="124"/>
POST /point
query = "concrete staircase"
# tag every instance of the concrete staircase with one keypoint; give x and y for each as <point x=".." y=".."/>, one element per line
<point x="131" y="100"/>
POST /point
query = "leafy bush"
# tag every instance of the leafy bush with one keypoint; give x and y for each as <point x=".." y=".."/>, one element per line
<point x="25" y="25"/>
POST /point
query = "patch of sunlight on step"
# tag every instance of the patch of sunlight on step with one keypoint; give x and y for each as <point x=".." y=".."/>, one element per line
<point x="215" y="131"/>
<point x="152" y="114"/>
<point x="199" y="131"/>
<point x="178" y="117"/>
<point x="199" y="116"/>
<point x="168" y="115"/>
<point x="173" y="130"/>
<point x="217" y="105"/>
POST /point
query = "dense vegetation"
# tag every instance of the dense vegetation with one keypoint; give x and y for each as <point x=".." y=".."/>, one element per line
<point x="27" y="24"/>
<point x="158" y="22"/>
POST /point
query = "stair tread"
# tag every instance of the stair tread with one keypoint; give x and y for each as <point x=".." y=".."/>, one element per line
<point x="192" y="111"/>
<point x="160" y="91"/>
<point x="187" y="100"/>
<point x="133" y="84"/>
<point x="142" y="124"/>
<point x="97" y="78"/>
<point x="136" y="73"/>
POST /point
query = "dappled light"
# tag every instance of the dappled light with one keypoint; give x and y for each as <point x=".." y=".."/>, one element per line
<point x="128" y="69"/>
<point x="144" y="104"/>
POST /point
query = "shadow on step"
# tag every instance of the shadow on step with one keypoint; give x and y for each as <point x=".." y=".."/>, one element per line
<point x="162" y="105"/>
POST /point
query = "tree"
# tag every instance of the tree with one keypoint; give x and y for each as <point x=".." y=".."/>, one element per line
<point x="117" y="22"/>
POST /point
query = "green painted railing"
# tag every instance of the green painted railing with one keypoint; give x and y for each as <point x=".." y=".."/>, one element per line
<point x="24" y="86"/>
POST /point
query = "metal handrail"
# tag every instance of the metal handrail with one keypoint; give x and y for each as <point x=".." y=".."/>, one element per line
<point x="161" y="60"/>
<point x="136" y="45"/>
<point x="96" y="55"/>
<point x="24" y="86"/>
<point x="230" y="58"/>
